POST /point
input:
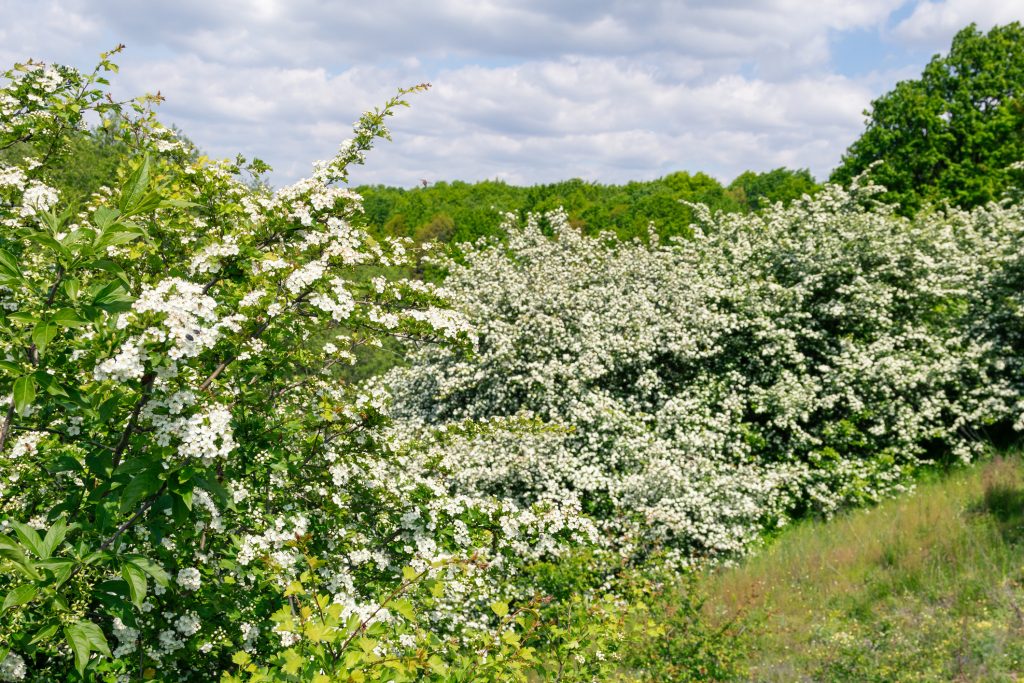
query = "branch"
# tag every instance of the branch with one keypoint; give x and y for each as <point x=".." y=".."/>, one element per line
<point x="124" y="527"/>
<point x="6" y="430"/>
<point x="122" y="444"/>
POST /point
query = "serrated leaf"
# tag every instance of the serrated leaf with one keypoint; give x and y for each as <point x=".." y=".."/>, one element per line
<point x="19" y="596"/>
<point x="52" y="244"/>
<point x="215" y="488"/>
<point x="61" y="570"/>
<point x="107" y="408"/>
<point x="403" y="607"/>
<point x="72" y="286"/>
<point x="112" y="268"/>
<point x="437" y="665"/>
<point x="105" y="216"/>
<point x="292" y="662"/>
<point x="49" y="383"/>
<point x="113" y="238"/>
<point x="500" y="608"/>
<point x="22" y="317"/>
<point x="112" y="293"/>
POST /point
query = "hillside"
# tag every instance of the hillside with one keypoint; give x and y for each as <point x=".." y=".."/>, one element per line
<point x="925" y="587"/>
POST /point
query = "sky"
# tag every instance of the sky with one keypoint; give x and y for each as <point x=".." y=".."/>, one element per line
<point x="526" y="91"/>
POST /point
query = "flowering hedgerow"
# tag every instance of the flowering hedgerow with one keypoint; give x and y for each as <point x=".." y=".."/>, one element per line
<point x="710" y="389"/>
<point x="187" y="488"/>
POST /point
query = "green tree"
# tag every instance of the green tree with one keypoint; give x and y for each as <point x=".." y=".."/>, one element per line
<point x="953" y="133"/>
<point x="757" y="190"/>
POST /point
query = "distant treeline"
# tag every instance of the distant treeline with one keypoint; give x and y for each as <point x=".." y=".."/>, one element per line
<point x="459" y="211"/>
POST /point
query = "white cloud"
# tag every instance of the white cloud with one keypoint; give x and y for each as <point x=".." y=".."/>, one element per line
<point x="777" y="34"/>
<point x="934" y="22"/>
<point x="529" y="91"/>
<point x="602" y="119"/>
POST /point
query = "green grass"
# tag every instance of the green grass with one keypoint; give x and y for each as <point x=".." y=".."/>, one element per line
<point x="927" y="587"/>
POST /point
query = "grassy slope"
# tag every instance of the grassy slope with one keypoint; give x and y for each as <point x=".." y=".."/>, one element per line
<point x="928" y="587"/>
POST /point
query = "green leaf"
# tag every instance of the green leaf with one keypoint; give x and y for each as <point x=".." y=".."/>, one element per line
<point x="30" y="538"/>
<point x="107" y="408"/>
<point x="61" y="569"/>
<point x="24" y="393"/>
<point x="10" y="366"/>
<point x="105" y="216"/>
<point x="293" y="661"/>
<point x="403" y="607"/>
<point x="10" y="549"/>
<point x="500" y="608"/>
<point x="136" y="579"/>
<point x="85" y="637"/>
<point x="94" y="635"/>
<point x="79" y="643"/>
<point x="112" y="268"/>
<point x="152" y="568"/>
<point x="67" y="317"/>
<point x="114" y="237"/>
<point x="19" y="596"/>
<point x="134" y="188"/>
<point x="48" y="241"/>
<point x="49" y="383"/>
<point x="22" y="317"/>
<point x="45" y="633"/>
<point x="42" y="334"/>
<point x="437" y="665"/>
<point x="217" y="490"/>
<point x="55" y="536"/>
<point x="113" y="298"/>
<point x="72" y="286"/>
<point x="139" y="488"/>
<point x="9" y="264"/>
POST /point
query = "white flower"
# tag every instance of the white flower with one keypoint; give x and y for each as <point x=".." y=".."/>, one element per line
<point x="189" y="579"/>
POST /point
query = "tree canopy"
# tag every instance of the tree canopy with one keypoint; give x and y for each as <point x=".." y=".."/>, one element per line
<point x="463" y="212"/>
<point x="953" y="133"/>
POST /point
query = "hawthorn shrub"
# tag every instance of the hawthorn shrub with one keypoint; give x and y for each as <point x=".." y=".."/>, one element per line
<point x="704" y="392"/>
<point x="188" y="492"/>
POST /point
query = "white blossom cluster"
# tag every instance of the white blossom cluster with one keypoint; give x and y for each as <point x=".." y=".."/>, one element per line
<point x="12" y="668"/>
<point x="26" y="197"/>
<point x="705" y="390"/>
